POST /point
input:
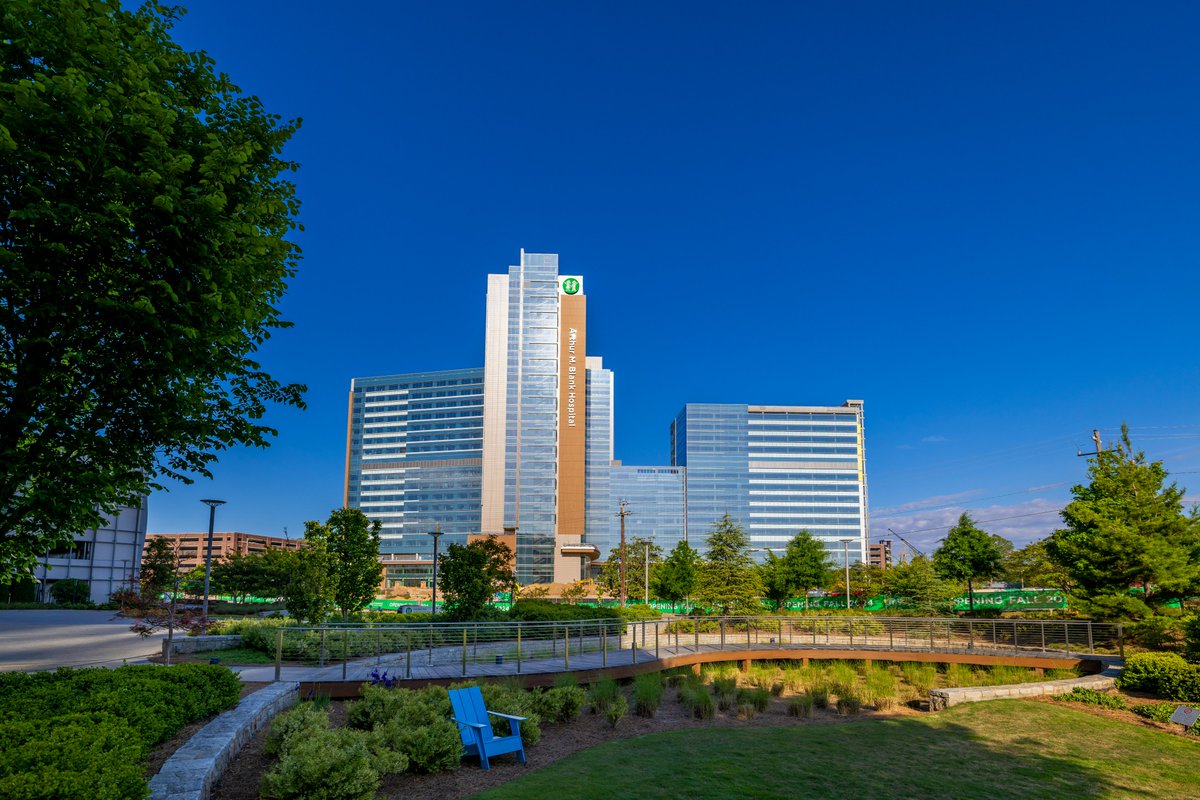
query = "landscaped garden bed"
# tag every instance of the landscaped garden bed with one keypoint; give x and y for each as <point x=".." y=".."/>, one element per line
<point x="567" y="720"/>
<point x="91" y="733"/>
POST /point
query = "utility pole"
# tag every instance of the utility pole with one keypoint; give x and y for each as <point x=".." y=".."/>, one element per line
<point x="1096" y="439"/>
<point x="623" y="513"/>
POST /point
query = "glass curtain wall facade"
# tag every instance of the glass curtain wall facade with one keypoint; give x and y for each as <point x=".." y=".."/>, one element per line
<point x="656" y="497"/>
<point x="777" y="470"/>
<point x="599" y="508"/>
<point x="414" y="456"/>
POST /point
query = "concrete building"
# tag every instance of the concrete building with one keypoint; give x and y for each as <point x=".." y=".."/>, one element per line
<point x="108" y="558"/>
<point x="879" y="554"/>
<point x="192" y="547"/>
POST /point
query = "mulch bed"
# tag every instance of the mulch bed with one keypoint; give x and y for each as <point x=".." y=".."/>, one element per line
<point x="240" y="781"/>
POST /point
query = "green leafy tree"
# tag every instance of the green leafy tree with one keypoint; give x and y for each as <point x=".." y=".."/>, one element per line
<point x="468" y="575"/>
<point x="728" y="579"/>
<point x="635" y="570"/>
<point x="1031" y="566"/>
<point x="272" y="572"/>
<point x="1126" y="528"/>
<point x="238" y="575"/>
<point x="866" y="580"/>
<point x="144" y="207"/>
<point x="308" y="595"/>
<point x="968" y="554"/>
<point x="675" y="577"/>
<point x="159" y="565"/>
<point x="71" y="590"/>
<point x="919" y="584"/>
<point x="804" y="565"/>
<point x="352" y="544"/>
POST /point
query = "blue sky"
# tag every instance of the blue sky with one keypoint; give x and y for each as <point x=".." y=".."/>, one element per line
<point x="980" y="218"/>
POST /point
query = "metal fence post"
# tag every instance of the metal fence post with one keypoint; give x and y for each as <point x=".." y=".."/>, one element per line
<point x="321" y="658"/>
<point x="278" y="652"/>
<point x="1043" y="629"/>
<point x="970" y="635"/>
<point x="748" y="633"/>
<point x="429" y="644"/>
<point x="345" y="651"/>
<point x="1016" y="647"/>
<point x="722" y="634"/>
<point x="518" y="648"/>
<point x="656" y="642"/>
<point x="408" y="654"/>
<point x="464" y="659"/>
<point x="1067" y="635"/>
<point x="1091" y="641"/>
<point x="1120" y="640"/>
<point x="633" y="641"/>
<point x="566" y="647"/>
<point x="696" y="633"/>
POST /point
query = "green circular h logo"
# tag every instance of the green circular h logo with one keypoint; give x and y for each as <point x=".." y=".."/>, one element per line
<point x="570" y="286"/>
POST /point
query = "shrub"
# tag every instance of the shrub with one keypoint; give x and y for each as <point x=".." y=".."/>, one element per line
<point x="746" y="711"/>
<point x="601" y="693"/>
<point x="647" y="694"/>
<point x="1081" y="694"/>
<point x="1159" y="712"/>
<point x="376" y="706"/>
<point x="1181" y="683"/>
<point x="820" y="696"/>
<point x="724" y="685"/>
<point x="545" y="611"/>
<point x="800" y="705"/>
<point x="616" y="710"/>
<point x="326" y="765"/>
<point x="71" y="591"/>
<point x="560" y="704"/>
<point x="634" y="613"/>
<point x="89" y="756"/>
<point x="294" y="725"/>
<point x="760" y="699"/>
<point x="432" y="747"/>
<point x="1158" y="633"/>
<point x="1143" y="671"/>
<point x="512" y="700"/>
<point x="1191" y="637"/>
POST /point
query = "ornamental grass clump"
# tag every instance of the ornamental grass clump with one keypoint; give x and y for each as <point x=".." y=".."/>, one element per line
<point x="881" y="689"/>
<point x="696" y="699"/>
<point x="843" y="679"/>
<point x="800" y="705"/>
<point x="848" y="704"/>
<point x="615" y="712"/>
<point x="760" y="699"/>
<point x="647" y="694"/>
<point x="746" y="711"/>
<point x="820" y="696"/>
<point x="602" y="693"/>
<point x="921" y="677"/>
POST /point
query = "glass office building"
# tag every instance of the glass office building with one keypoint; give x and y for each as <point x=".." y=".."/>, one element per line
<point x="414" y="458"/>
<point x="523" y="448"/>
<point x="777" y="470"/>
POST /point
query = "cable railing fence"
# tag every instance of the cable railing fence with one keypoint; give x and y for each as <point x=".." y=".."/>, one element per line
<point x="512" y="648"/>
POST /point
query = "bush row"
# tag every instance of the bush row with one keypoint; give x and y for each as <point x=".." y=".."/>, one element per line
<point x="84" y="733"/>
<point x="1163" y="674"/>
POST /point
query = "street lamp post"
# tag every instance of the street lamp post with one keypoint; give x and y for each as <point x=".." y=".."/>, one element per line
<point x="846" y="561"/>
<point x="435" y="533"/>
<point x="212" y="517"/>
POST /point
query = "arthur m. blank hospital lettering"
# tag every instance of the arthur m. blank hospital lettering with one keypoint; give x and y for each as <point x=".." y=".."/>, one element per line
<point x="572" y="372"/>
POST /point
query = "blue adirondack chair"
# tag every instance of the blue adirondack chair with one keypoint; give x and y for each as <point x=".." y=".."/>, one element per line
<point x="476" y="731"/>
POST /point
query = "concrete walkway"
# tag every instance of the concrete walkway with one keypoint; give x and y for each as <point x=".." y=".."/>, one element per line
<point x="47" y="639"/>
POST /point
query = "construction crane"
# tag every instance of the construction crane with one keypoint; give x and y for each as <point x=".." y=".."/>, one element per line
<point x="907" y="543"/>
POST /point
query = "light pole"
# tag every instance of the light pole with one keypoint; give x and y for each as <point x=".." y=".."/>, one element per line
<point x="212" y="517"/>
<point x="846" y="561"/>
<point x="435" y="533"/>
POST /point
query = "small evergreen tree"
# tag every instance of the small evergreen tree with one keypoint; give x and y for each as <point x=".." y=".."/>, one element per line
<point x="352" y="547"/>
<point x="469" y="575"/>
<point x="728" y="579"/>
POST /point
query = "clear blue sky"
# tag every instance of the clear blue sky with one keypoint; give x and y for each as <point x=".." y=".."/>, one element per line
<point x="980" y="218"/>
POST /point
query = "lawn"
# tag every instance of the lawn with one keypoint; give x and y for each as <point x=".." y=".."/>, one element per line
<point x="999" y="749"/>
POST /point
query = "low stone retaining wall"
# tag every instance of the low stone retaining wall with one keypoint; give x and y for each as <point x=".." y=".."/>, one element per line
<point x="189" y="774"/>
<point x="944" y="698"/>
<point x="197" y="644"/>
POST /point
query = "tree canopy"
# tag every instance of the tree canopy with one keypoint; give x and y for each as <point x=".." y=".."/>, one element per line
<point x="635" y="568"/>
<point x="804" y="565"/>
<point x="968" y="554"/>
<point x="675" y="577"/>
<point x="144" y="210"/>
<point x="351" y="542"/>
<point x="919" y="584"/>
<point x="728" y="579"/>
<point x="1126" y="528"/>
<point x="470" y="574"/>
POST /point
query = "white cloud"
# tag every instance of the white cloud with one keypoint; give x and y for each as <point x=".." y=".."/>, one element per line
<point x="1020" y="523"/>
<point x="926" y="503"/>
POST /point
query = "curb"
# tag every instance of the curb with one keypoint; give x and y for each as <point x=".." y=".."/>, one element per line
<point x="192" y="770"/>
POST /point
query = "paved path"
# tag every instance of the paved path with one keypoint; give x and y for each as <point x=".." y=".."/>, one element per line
<point x="37" y="640"/>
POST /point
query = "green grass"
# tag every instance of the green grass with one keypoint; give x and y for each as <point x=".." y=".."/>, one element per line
<point x="1001" y="749"/>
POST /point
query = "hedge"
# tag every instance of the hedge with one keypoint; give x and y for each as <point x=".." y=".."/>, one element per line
<point x="76" y="734"/>
<point x="1163" y="674"/>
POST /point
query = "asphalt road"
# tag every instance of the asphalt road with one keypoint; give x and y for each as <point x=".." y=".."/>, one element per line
<point x="36" y="640"/>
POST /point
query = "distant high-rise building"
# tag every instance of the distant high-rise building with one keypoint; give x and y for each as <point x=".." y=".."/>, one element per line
<point x="523" y="448"/>
<point x="777" y="470"/>
<point x="879" y="554"/>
